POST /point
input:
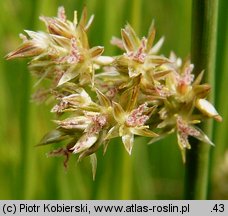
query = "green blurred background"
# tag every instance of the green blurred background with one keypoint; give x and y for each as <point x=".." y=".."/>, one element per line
<point x="153" y="171"/>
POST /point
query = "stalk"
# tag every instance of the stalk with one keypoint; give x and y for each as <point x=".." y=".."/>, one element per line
<point x="127" y="161"/>
<point x="203" y="55"/>
<point x="221" y="68"/>
<point x="25" y="115"/>
<point x="220" y="132"/>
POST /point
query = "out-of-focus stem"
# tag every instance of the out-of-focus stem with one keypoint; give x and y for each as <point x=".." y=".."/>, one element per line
<point x="24" y="116"/>
<point x="203" y="55"/>
<point x="127" y="162"/>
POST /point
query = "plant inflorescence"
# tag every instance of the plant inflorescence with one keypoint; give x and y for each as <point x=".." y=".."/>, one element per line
<point x="98" y="98"/>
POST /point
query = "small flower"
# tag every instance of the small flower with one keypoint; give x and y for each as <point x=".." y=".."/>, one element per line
<point x="140" y="54"/>
<point x="36" y="44"/>
<point x="64" y="48"/>
<point x="186" y="129"/>
<point x="81" y="98"/>
<point x="97" y="122"/>
<point x="183" y="131"/>
<point x="130" y="122"/>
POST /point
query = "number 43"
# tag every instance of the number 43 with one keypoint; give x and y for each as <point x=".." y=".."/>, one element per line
<point x="218" y="208"/>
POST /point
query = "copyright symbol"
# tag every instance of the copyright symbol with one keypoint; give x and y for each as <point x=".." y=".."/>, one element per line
<point x="9" y="209"/>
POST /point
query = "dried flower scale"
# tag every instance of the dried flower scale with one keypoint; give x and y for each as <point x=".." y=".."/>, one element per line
<point x="138" y="93"/>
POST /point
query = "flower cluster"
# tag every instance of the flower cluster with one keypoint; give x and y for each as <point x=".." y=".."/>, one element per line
<point x="98" y="98"/>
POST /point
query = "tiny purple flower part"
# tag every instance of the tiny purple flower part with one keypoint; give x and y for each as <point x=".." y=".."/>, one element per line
<point x="185" y="130"/>
<point x="184" y="80"/>
<point x="74" y="56"/>
<point x="139" y="55"/>
<point x="136" y="117"/>
<point x="97" y="121"/>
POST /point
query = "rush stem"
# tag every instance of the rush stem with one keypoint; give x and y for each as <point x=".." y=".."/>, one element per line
<point x="203" y="56"/>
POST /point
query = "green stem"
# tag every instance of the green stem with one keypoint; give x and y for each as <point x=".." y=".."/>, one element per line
<point x="204" y="31"/>
<point x="221" y="68"/>
<point x="24" y="115"/>
<point x="127" y="161"/>
<point x="136" y="14"/>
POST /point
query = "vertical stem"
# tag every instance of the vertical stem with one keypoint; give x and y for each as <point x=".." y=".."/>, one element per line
<point x="221" y="89"/>
<point x="25" y="113"/>
<point x="136" y="14"/>
<point x="127" y="161"/>
<point x="204" y="29"/>
<point x="220" y="131"/>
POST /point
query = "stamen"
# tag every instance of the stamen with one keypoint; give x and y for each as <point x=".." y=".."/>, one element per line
<point x="98" y="121"/>
<point x="185" y="129"/>
<point x="139" y="55"/>
<point x="136" y="118"/>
